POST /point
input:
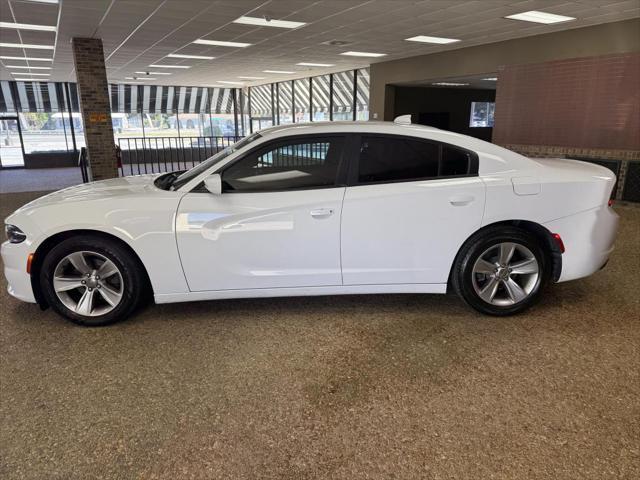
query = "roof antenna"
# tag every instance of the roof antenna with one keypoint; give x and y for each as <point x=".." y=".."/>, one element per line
<point x="403" y="120"/>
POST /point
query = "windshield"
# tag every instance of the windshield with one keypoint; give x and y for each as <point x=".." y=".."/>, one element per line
<point x="189" y="175"/>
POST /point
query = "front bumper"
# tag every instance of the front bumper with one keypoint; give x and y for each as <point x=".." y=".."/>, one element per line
<point x="14" y="258"/>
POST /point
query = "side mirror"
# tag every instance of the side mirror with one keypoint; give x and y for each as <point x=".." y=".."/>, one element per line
<point x="213" y="183"/>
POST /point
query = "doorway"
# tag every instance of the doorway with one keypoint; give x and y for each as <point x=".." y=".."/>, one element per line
<point x="11" y="144"/>
<point x="439" y="120"/>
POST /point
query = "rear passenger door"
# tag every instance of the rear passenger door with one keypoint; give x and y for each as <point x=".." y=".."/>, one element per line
<point x="408" y="207"/>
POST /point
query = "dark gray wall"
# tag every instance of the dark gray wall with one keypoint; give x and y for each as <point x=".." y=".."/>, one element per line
<point x="454" y="101"/>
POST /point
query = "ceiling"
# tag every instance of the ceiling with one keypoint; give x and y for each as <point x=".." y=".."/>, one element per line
<point x="138" y="33"/>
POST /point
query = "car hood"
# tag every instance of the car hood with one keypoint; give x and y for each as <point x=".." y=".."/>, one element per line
<point x="102" y="190"/>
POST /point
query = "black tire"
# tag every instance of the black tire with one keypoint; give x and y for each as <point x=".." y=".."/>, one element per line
<point x="133" y="279"/>
<point x="462" y="276"/>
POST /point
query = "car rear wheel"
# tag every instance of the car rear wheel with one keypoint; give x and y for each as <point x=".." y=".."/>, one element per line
<point x="501" y="271"/>
<point x="91" y="281"/>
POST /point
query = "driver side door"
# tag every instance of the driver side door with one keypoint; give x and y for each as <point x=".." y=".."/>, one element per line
<point x="276" y="223"/>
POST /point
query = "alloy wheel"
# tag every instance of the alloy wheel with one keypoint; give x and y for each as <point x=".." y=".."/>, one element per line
<point x="505" y="274"/>
<point x="88" y="283"/>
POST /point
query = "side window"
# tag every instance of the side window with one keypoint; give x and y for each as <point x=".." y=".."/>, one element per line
<point x="291" y="164"/>
<point x="454" y="162"/>
<point x="384" y="159"/>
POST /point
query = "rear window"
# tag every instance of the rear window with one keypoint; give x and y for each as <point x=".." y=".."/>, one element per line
<point x="386" y="159"/>
<point x="398" y="159"/>
<point x="454" y="162"/>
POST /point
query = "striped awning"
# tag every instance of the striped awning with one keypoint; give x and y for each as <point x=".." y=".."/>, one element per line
<point x="362" y="97"/>
<point x="165" y="99"/>
<point x="36" y="97"/>
<point x="321" y="94"/>
<point x="284" y="97"/>
<point x="301" y="88"/>
<point x="343" y="92"/>
<point x="260" y="100"/>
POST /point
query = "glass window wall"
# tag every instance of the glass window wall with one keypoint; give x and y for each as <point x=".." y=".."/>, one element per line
<point x="362" y="94"/>
<point x="337" y="96"/>
<point x="285" y="107"/>
<point x="321" y="98"/>
<point x="152" y="112"/>
<point x="302" y="102"/>
<point x="45" y="132"/>
<point x="343" y="96"/>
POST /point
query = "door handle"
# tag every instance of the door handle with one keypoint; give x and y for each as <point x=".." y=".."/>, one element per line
<point x="461" y="200"/>
<point x="322" y="212"/>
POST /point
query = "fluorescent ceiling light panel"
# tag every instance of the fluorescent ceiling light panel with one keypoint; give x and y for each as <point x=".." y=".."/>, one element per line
<point x="450" y="84"/>
<point x="28" y="26"/>
<point x="28" y="79"/>
<point x="153" y="73"/>
<point x="138" y="78"/>
<point x="230" y="82"/>
<point x="252" y="78"/>
<point x="43" y="1"/>
<point x="266" y="22"/>
<point x="283" y="72"/>
<point x="491" y="79"/>
<point x="32" y="74"/>
<point x="25" y="66"/>
<point x="427" y="39"/>
<point x="540" y="17"/>
<point x="202" y="41"/>
<point x="28" y="59"/>
<point x="309" y="64"/>
<point x="363" y="54"/>
<point x="169" y="66"/>
<point x="27" y="45"/>
<point x="195" y="57"/>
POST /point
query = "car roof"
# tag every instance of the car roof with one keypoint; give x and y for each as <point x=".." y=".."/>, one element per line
<point x="358" y="126"/>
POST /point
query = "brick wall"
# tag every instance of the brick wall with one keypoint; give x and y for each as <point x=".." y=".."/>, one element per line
<point x="93" y="90"/>
<point x="561" y="107"/>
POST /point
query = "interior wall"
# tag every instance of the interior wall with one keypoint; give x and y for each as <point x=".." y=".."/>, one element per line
<point x="589" y="102"/>
<point x="456" y="102"/>
<point x="608" y="38"/>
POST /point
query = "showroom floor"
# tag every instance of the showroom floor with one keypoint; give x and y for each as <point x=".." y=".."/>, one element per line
<point x="391" y="386"/>
<point x="15" y="180"/>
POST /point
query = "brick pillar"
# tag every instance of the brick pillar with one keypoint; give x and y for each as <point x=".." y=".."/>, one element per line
<point x="93" y="90"/>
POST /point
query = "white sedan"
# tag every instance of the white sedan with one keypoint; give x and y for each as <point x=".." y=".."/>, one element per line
<point x="317" y="209"/>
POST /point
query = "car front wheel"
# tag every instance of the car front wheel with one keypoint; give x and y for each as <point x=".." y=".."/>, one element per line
<point x="92" y="281"/>
<point x="501" y="271"/>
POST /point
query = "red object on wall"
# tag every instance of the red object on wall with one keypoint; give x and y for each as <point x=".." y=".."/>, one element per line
<point x="591" y="102"/>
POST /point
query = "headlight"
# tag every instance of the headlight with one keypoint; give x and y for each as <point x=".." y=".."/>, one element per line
<point x="14" y="234"/>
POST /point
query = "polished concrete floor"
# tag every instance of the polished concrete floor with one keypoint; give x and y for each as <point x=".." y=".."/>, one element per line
<point x="14" y="180"/>
<point x="389" y="386"/>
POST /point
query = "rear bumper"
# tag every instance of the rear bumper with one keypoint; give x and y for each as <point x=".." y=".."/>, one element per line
<point x="588" y="238"/>
<point x="14" y="258"/>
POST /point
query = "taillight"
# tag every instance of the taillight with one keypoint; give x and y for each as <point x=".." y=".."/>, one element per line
<point x="611" y="202"/>
<point x="559" y="242"/>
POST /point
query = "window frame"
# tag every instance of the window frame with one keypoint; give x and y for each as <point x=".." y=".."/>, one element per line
<point x="341" y="172"/>
<point x="354" y="164"/>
